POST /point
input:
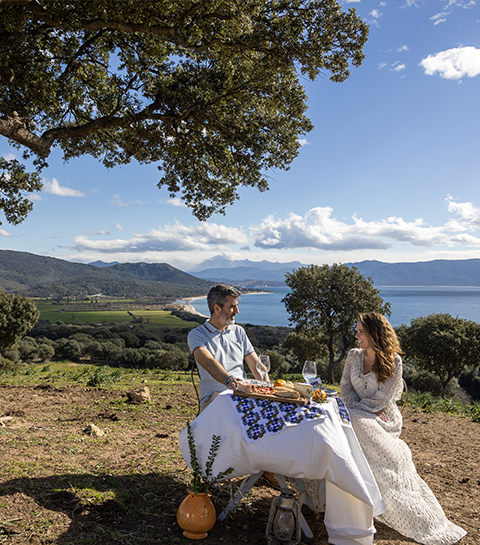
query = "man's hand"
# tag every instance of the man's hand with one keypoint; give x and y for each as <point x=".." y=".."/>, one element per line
<point x="232" y="384"/>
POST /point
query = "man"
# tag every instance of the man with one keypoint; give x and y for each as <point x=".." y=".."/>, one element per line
<point x="220" y="347"/>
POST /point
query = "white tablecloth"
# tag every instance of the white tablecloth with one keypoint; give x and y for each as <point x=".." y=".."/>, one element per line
<point x="322" y="449"/>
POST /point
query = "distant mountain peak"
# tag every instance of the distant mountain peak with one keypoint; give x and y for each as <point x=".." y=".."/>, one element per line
<point x="102" y="263"/>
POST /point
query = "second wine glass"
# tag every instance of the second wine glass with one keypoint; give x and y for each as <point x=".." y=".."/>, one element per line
<point x="263" y="365"/>
<point x="309" y="371"/>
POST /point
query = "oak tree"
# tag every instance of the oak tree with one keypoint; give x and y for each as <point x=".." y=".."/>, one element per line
<point x="209" y="90"/>
<point x="324" y="304"/>
<point x="441" y="344"/>
<point x="18" y="315"/>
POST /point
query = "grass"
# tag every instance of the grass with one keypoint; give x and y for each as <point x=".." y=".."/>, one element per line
<point x="427" y="403"/>
<point x="53" y="312"/>
<point x="64" y="373"/>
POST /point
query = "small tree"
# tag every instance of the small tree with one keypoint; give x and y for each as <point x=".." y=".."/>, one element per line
<point x="324" y="303"/>
<point x="442" y="344"/>
<point x="18" y="315"/>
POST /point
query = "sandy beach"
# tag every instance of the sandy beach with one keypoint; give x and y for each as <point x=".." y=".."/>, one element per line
<point x="188" y="307"/>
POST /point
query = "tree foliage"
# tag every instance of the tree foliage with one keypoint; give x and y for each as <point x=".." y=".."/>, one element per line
<point x="324" y="303"/>
<point x="208" y="90"/>
<point x="442" y="344"/>
<point x="18" y="315"/>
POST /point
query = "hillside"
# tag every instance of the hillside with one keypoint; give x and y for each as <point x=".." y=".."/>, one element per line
<point x="41" y="276"/>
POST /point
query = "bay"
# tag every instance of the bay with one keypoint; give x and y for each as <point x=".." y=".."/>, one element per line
<point x="407" y="302"/>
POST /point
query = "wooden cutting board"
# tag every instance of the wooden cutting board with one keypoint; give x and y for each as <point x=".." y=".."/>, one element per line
<point x="301" y="401"/>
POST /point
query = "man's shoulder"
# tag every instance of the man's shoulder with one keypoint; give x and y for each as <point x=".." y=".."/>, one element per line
<point x="199" y="330"/>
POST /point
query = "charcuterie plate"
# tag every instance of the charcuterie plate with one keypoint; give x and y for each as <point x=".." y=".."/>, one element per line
<point x="301" y="401"/>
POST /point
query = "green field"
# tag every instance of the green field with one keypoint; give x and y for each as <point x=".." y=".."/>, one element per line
<point x="53" y="312"/>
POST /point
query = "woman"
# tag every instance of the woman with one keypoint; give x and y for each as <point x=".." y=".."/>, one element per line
<point x="370" y="386"/>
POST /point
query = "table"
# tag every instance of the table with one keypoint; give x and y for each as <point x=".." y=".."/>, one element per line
<point x="321" y="449"/>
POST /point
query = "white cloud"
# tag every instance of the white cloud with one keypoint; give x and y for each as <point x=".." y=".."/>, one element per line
<point x="118" y="227"/>
<point x="103" y="231"/>
<point x="303" y="142"/>
<point x="170" y="238"/>
<point x="34" y="197"/>
<point x="55" y="188"/>
<point x="4" y="233"/>
<point x="397" y="67"/>
<point x="453" y="63"/>
<point x="176" y="202"/>
<point x="118" y="200"/>
<point x="402" y="48"/>
<point x="375" y="14"/>
<point x="469" y="215"/>
<point x="319" y="230"/>
<point x="439" y="18"/>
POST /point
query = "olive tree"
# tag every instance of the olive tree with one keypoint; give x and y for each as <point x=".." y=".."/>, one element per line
<point x="442" y="345"/>
<point x="324" y="304"/>
<point x="208" y="90"/>
<point x="18" y="315"/>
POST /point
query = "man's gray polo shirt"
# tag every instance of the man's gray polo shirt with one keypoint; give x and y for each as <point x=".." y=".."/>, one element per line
<point x="228" y="347"/>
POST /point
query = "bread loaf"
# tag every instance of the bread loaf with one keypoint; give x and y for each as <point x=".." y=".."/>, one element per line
<point x="286" y="393"/>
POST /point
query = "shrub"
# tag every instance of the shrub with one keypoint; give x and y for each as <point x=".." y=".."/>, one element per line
<point x="8" y="365"/>
<point x="11" y="354"/>
<point x="45" y="352"/>
<point x="470" y="381"/>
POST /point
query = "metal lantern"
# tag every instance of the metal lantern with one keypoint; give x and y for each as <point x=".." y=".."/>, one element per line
<point x="284" y="525"/>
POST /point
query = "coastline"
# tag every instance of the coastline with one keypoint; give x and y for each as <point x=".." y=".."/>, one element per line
<point x="188" y="307"/>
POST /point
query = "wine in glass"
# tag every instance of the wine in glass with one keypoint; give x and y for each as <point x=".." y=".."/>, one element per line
<point x="309" y="371"/>
<point x="263" y="365"/>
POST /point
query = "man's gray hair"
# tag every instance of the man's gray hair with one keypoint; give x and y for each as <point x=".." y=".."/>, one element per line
<point x="218" y="295"/>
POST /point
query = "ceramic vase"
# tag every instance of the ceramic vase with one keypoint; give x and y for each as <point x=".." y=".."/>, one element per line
<point x="196" y="515"/>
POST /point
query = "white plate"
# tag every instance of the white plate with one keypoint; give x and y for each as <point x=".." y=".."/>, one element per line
<point x="330" y="392"/>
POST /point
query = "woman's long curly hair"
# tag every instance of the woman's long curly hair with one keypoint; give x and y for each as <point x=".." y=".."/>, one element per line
<point x="384" y="342"/>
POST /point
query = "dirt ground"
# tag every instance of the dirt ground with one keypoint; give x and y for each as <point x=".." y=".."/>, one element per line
<point x="61" y="485"/>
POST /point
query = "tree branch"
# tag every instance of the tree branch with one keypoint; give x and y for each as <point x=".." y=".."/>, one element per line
<point x="13" y="127"/>
<point x="155" y="30"/>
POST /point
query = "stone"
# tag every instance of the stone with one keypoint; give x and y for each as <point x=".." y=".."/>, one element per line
<point x="91" y="429"/>
<point x="139" y="395"/>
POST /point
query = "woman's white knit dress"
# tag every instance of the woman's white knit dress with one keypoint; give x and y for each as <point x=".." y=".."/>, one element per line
<point x="410" y="506"/>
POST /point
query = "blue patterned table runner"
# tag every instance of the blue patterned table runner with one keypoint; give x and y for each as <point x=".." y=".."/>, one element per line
<point x="263" y="417"/>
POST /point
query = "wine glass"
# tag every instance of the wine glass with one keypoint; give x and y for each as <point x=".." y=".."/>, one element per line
<point x="309" y="371"/>
<point x="263" y="365"/>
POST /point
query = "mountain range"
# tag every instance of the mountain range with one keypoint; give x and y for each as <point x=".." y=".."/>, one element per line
<point x="440" y="272"/>
<point x="41" y="276"/>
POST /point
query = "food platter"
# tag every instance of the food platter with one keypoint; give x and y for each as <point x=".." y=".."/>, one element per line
<point x="301" y="401"/>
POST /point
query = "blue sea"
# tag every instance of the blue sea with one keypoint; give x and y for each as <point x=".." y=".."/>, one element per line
<point x="407" y="302"/>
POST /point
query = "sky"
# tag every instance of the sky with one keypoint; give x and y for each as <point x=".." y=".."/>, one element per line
<point x="391" y="171"/>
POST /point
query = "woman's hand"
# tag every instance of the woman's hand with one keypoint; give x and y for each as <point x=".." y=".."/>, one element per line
<point x="382" y="416"/>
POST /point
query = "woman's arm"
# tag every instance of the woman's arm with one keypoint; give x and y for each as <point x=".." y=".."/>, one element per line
<point x="347" y="392"/>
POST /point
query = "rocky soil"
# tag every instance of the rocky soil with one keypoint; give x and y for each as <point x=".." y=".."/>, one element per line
<point x="60" y="485"/>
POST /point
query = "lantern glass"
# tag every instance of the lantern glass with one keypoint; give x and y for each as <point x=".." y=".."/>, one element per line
<point x="284" y="524"/>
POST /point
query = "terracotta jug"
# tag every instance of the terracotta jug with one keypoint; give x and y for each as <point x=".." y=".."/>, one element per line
<point x="196" y="515"/>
